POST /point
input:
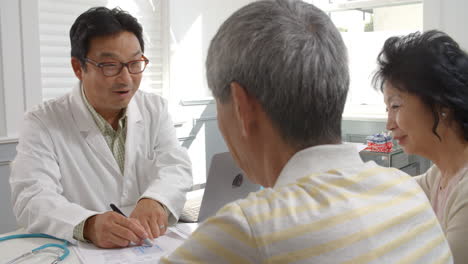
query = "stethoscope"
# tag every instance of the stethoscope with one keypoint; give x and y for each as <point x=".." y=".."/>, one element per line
<point x="63" y="247"/>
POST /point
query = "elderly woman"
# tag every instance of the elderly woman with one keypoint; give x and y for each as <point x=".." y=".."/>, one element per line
<point x="424" y="78"/>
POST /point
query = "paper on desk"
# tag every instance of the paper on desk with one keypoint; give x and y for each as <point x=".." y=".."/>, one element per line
<point x="162" y="246"/>
<point x="184" y="229"/>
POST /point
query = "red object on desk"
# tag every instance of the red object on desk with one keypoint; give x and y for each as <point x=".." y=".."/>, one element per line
<point x="385" y="147"/>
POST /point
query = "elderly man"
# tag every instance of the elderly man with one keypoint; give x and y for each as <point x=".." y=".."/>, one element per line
<point x="104" y="142"/>
<point x="278" y="71"/>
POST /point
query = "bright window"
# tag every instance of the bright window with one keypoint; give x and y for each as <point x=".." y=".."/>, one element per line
<point x="365" y="25"/>
<point x="55" y="21"/>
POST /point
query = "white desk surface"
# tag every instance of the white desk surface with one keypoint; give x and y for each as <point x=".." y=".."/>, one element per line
<point x="11" y="249"/>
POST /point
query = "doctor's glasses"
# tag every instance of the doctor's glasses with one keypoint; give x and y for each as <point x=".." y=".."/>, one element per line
<point x="110" y="69"/>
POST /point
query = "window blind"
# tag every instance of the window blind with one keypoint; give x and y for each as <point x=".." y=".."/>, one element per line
<point x="55" y="21"/>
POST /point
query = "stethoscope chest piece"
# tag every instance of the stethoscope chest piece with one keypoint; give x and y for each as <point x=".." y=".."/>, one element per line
<point x="46" y="248"/>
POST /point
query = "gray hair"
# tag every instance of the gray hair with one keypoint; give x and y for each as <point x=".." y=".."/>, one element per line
<point x="292" y="59"/>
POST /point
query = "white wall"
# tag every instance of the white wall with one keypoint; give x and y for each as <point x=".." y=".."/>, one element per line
<point x="2" y="100"/>
<point x="12" y="81"/>
<point x="398" y="18"/>
<point x="192" y="26"/>
<point x="449" y="16"/>
<point x="19" y="63"/>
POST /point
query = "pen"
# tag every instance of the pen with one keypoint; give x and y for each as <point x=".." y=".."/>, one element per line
<point x="117" y="210"/>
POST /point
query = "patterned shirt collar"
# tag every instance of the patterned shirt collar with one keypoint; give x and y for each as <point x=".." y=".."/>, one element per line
<point x="102" y="124"/>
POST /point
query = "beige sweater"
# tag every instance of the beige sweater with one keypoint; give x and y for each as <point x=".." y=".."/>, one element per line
<point x="455" y="219"/>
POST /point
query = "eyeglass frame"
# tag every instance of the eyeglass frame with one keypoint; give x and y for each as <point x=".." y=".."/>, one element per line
<point x="101" y="65"/>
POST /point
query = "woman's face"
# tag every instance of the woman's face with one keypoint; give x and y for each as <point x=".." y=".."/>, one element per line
<point x="410" y="121"/>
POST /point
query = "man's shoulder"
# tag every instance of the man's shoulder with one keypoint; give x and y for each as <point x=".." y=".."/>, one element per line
<point x="358" y="174"/>
<point x="368" y="173"/>
<point x="55" y="106"/>
<point x="263" y="206"/>
<point x="317" y="189"/>
<point x="254" y="201"/>
<point x="371" y="169"/>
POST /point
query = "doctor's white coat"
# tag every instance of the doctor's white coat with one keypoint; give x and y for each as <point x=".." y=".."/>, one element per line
<point x="65" y="172"/>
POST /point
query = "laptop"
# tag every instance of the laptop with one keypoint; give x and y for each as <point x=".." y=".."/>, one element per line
<point x="225" y="183"/>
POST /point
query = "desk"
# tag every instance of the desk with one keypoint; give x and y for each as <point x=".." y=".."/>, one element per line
<point x="13" y="248"/>
<point x="165" y="244"/>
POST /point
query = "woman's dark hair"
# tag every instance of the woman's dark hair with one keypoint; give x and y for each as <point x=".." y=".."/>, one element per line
<point x="430" y="65"/>
<point x="101" y="21"/>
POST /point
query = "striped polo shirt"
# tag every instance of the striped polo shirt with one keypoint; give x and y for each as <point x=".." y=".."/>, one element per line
<point x="327" y="206"/>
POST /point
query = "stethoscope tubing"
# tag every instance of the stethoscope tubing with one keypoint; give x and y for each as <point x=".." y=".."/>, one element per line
<point x="63" y="246"/>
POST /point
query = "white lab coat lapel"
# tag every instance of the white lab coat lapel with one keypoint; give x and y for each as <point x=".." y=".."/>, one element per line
<point x="135" y="134"/>
<point x="91" y="133"/>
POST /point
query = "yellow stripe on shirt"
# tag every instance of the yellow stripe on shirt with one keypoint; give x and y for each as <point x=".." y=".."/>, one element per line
<point x="444" y="259"/>
<point x="268" y="197"/>
<point x="187" y="256"/>
<point x="230" y="230"/>
<point x="388" y="247"/>
<point x="316" y="250"/>
<point x="281" y="212"/>
<point x="335" y="219"/>
<point x="415" y="255"/>
<point x="218" y="249"/>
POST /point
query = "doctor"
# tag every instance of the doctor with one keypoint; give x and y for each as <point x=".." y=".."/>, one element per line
<point x="104" y="142"/>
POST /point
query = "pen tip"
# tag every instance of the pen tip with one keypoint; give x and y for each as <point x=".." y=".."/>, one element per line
<point x="148" y="242"/>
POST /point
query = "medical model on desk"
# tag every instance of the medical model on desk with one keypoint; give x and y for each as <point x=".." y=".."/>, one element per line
<point x="380" y="142"/>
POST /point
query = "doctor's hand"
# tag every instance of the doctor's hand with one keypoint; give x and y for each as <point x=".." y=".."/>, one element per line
<point x="152" y="216"/>
<point x="112" y="230"/>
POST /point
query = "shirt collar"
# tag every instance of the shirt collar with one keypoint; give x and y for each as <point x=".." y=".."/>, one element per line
<point x="318" y="159"/>
<point x="101" y="123"/>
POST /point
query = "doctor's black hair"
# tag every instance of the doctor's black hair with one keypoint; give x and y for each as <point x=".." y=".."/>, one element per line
<point x="101" y="21"/>
<point x="432" y="66"/>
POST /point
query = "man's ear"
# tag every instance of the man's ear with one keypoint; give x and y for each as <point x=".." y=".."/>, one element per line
<point x="77" y="69"/>
<point x="244" y="107"/>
